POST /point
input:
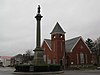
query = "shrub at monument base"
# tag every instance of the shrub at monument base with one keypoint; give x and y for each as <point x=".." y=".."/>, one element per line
<point x="40" y="68"/>
<point x="53" y="67"/>
<point x="37" y="68"/>
<point x="22" y="68"/>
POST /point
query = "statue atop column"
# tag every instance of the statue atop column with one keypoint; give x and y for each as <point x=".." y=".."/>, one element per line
<point x="39" y="9"/>
<point x="38" y="55"/>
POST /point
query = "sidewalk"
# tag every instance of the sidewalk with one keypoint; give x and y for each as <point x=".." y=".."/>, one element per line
<point x="7" y="69"/>
<point x="11" y="71"/>
<point x="39" y="73"/>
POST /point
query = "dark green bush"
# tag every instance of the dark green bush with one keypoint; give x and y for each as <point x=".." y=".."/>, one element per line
<point x="40" y="68"/>
<point x="22" y="68"/>
<point x="37" y="68"/>
<point x="54" y="67"/>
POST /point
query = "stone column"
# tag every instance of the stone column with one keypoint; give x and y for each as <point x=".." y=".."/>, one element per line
<point x="38" y="55"/>
<point x="38" y="18"/>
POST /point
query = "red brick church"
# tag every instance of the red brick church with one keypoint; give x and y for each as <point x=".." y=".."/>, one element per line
<point x="57" y="50"/>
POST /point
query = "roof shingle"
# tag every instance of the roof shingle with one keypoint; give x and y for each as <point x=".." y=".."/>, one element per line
<point x="48" y="42"/>
<point x="57" y="29"/>
<point x="69" y="44"/>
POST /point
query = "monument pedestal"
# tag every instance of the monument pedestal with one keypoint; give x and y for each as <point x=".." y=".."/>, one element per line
<point x="38" y="56"/>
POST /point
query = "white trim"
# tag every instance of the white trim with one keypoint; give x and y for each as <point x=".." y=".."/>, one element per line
<point x="48" y="45"/>
<point x="42" y="43"/>
<point x="57" y="33"/>
<point x="85" y="44"/>
<point x="74" y="45"/>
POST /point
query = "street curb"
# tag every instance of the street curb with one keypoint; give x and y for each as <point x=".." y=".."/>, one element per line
<point x="42" y="73"/>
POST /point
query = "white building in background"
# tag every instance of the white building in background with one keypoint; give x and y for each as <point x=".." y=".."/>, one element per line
<point x="5" y="60"/>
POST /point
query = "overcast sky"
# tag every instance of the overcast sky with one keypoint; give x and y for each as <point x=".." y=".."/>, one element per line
<point x="17" y="22"/>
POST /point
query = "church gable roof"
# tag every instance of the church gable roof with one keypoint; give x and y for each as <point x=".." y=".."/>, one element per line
<point x="69" y="44"/>
<point x="57" y="29"/>
<point x="48" y="42"/>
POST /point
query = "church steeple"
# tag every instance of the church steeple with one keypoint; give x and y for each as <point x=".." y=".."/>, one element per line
<point x="58" y="43"/>
<point x="57" y="29"/>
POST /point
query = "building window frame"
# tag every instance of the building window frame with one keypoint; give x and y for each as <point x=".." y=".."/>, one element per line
<point x="54" y="61"/>
<point x="77" y="58"/>
<point x="86" y="58"/>
<point x="81" y="58"/>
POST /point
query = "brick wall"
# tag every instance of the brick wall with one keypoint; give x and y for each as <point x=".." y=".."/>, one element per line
<point x="74" y="56"/>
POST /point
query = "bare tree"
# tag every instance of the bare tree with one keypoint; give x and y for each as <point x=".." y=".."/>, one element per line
<point x="28" y="56"/>
<point x="29" y="53"/>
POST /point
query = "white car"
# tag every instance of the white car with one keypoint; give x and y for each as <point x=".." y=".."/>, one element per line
<point x="98" y="68"/>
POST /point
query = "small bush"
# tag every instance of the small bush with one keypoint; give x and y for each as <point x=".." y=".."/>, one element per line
<point x="22" y="68"/>
<point x="95" y="64"/>
<point x="53" y="67"/>
<point x="90" y="67"/>
<point x="40" y="68"/>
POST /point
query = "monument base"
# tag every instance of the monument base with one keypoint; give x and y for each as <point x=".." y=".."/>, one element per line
<point x="38" y="56"/>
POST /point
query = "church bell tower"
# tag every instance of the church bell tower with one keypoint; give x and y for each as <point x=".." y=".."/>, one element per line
<point x="58" y="44"/>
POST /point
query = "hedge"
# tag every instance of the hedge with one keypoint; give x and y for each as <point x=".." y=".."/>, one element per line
<point x="22" y="68"/>
<point x="37" y="68"/>
<point x="40" y="68"/>
<point x="53" y="67"/>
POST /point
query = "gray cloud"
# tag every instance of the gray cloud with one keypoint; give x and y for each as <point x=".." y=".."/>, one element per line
<point x="17" y="22"/>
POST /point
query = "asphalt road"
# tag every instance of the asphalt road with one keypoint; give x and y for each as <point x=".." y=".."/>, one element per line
<point x="89" y="72"/>
<point x="65" y="73"/>
<point x="8" y="71"/>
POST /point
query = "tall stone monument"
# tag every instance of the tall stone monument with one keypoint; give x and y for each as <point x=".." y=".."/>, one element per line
<point x="38" y="56"/>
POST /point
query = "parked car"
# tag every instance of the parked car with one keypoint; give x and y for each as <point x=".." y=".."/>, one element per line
<point x="98" y="68"/>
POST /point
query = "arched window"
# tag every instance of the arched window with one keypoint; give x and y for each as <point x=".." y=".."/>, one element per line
<point x="86" y="58"/>
<point x="54" y="61"/>
<point x="77" y="58"/>
<point x="61" y="62"/>
<point x="44" y="58"/>
<point x="81" y="47"/>
<point x="81" y="58"/>
<point x="61" y="36"/>
<point x="54" y="36"/>
<point x="48" y="60"/>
